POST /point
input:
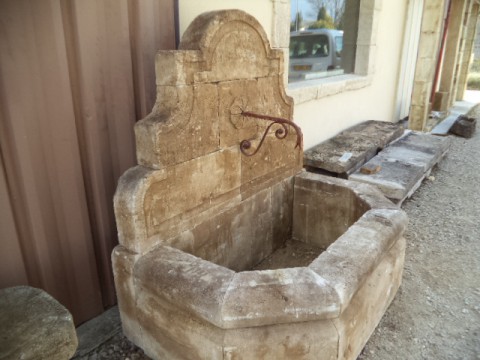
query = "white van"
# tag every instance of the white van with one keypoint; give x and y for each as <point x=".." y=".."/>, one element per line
<point x="315" y="54"/>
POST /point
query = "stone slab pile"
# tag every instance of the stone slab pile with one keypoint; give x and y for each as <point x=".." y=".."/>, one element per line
<point x="381" y="154"/>
<point x="404" y="164"/>
<point x="346" y="152"/>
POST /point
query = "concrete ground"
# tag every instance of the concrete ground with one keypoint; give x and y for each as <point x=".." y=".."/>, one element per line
<point x="436" y="313"/>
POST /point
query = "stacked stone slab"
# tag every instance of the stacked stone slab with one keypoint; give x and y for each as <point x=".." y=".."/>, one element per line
<point x="196" y="214"/>
<point x="34" y="326"/>
<point x="404" y="164"/>
<point x="346" y="152"/>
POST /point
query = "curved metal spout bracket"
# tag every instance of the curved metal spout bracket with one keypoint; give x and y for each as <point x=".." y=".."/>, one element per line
<point x="281" y="133"/>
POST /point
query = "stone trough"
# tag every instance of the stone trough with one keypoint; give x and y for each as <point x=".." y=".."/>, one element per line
<point x="228" y="250"/>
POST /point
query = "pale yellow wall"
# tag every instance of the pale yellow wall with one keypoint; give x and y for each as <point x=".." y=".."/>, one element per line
<point x="323" y="118"/>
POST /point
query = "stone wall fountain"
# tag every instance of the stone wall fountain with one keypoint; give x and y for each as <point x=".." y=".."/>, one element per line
<point x="216" y="218"/>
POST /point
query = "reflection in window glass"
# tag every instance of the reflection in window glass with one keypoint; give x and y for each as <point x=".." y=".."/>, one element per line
<point x="313" y="45"/>
<point x="317" y="38"/>
<point x="339" y="45"/>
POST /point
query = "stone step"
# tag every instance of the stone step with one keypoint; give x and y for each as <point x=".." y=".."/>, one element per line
<point x="458" y="109"/>
<point x="404" y="164"/>
<point x="443" y="128"/>
<point x="346" y="152"/>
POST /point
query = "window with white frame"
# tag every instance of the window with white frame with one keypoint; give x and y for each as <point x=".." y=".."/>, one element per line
<point x="332" y="43"/>
<point x="322" y="38"/>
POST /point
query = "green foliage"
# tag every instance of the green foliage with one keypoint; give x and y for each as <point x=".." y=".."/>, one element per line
<point x="340" y="21"/>
<point x="322" y="24"/>
<point x="324" y="21"/>
<point x="329" y="9"/>
<point x="322" y="14"/>
<point x="297" y="23"/>
<point x="475" y="67"/>
<point x="473" y="82"/>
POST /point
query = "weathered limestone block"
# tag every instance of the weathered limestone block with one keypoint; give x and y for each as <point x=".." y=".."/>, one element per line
<point x="174" y="67"/>
<point x="181" y="112"/>
<point x="168" y="333"/>
<point x="235" y="97"/>
<point x="240" y="237"/>
<point x="404" y="164"/>
<point x="263" y="96"/>
<point x="347" y="263"/>
<point x="282" y="212"/>
<point x="309" y="341"/>
<point x="368" y="305"/>
<point x="147" y="200"/>
<point x="280" y="296"/>
<point x="185" y="188"/>
<point x="421" y="94"/>
<point x="396" y="178"/>
<point x="328" y="197"/>
<point x="34" y="326"/>
<point x="464" y="126"/>
<point x="123" y="261"/>
<point x="335" y="219"/>
<point x="281" y="155"/>
<point x="349" y="150"/>
<point x="239" y="51"/>
<point x="182" y="276"/>
<point x="440" y="103"/>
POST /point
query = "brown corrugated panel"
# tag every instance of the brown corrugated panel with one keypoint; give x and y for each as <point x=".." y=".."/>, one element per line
<point x="12" y="266"/>
<point x="42" y="149"/>
<point x="101" y="80"/>
<point x="148" y="21"/>
<point x="69" y="96"/>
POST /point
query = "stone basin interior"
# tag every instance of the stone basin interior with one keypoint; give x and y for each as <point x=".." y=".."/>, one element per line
<point x="298" y="253"/>
<point x="252" y="236"/>
<point x="291" y="254"/>
<point x="208" y="226"/>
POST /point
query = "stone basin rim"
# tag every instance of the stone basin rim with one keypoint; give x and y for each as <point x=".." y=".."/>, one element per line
<point x="330" y="280"/>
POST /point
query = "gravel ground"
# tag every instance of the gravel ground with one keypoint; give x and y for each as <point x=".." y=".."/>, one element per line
<point x="117" y="348"/>
<point x="436" y="313"/>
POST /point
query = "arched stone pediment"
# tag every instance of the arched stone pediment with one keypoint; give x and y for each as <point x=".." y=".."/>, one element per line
<point x="188" y="147"/>
<point x="224" y="57"/>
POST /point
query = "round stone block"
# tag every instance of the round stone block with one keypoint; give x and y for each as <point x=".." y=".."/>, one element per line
<point x="33" y="325"/>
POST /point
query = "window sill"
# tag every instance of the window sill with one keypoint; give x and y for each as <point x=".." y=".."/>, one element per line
<point x="308" y="90"/>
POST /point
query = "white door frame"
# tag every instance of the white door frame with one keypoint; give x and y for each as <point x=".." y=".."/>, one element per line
<point x="411" y="41"/>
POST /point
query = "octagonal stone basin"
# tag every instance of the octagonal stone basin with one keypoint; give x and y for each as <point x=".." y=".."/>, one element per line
<point x="201" y="211"/>
<point x="177" y="302"/>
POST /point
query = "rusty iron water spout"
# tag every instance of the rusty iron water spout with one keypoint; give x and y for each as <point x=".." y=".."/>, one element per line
<point x="281" y="133"/>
